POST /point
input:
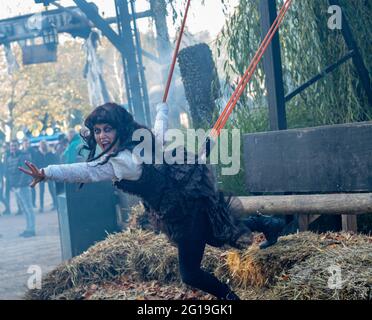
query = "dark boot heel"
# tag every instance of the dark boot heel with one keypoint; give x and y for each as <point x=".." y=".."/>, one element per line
<point x="272" y="230"/>
<point x="231" y="296"/>
<point x="271" y="227"/>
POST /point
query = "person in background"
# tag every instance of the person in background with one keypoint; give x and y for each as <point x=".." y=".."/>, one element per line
<point x="2" y="181"/>
<point x="6" y="187"/>
<point x="71" y="154"/>
<point x="60" y="147"/>
<point x="33" y="152"/>
<point x="20" y="184"/>
<point x="2" y="172"/>
<point x="45" y="158"/>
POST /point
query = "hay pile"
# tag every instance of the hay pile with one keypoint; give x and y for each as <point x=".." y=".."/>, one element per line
<point x="139" y="264"/>
<point x="139" y="218"/>
<point x="298" y="267"/>
<point x="140" y="254"/>
<point x="316" y="277"/>
<point x="259" y="268"/>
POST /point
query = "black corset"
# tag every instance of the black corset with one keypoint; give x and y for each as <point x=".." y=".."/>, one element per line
<point x="150" y="186"/>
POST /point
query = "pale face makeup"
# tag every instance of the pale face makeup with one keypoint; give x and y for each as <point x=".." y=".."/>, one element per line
<point x="105" y="135"/>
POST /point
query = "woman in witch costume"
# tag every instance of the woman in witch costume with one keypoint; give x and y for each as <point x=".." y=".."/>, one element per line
<point x="181" y="198"/>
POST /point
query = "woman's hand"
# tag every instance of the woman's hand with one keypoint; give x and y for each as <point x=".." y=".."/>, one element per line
<point x="38" y="175"/>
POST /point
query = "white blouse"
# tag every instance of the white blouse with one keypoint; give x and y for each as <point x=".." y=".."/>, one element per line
<point x="123" y="166"/>
<point x="126" y="165"/>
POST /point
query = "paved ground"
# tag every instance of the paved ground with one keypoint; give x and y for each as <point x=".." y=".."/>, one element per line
<point x="17" y="254"/>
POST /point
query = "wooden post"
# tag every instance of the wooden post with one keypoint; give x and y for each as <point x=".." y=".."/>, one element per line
<point x="303" y="222"/>
<point x="331" y="204"/>
<point x="349" y="223"/>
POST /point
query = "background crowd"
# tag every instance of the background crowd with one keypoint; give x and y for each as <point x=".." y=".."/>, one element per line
<point x="13" y="183"/>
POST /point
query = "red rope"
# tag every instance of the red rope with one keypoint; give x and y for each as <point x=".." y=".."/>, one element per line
<point x="221" y="122"/>
<point x="175" y="54"/>
<point x="245" y="74"/>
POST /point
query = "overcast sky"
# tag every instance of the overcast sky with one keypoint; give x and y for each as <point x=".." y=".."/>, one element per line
<point x="209" y="17"/>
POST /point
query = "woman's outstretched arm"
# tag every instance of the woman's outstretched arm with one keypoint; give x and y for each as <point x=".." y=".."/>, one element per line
<point x="120" y="167"/>
<point x="82" y="172"/>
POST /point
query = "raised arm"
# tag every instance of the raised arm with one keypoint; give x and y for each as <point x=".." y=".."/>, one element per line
<point x="161" y="121"/>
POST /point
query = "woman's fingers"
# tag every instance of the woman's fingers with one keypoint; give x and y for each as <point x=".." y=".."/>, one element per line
<point x="37" y="174"/>
<point x="34" y="183"/>
<point x="28" y="164"/>
<point x="32" y="167"/>
<point x="30" y="173"/>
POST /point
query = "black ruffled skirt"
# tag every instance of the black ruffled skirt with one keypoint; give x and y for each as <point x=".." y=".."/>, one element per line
<point x="190" y="195"/>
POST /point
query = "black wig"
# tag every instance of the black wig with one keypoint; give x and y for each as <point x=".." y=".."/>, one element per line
<point x="118" y="118"/>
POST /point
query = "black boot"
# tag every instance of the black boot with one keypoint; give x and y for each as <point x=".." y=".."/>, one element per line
<point x="231" y="296"/>
<point x="271" y="227"/>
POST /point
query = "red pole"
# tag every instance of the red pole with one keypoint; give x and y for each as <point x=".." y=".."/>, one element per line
<point x="175" y="54"/>
<point x="249" y="73"/>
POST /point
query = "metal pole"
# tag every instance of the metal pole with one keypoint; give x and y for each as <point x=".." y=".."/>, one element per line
<point x="273" y="69"/>
<point x="357" y="58"/>
<point x="131" y="61"/>
<point x="140" y="66"/>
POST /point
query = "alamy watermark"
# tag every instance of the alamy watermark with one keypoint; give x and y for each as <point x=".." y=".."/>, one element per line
<point x="186" y="147"/>
<point x="34" y="281"/>
<point x="335" y="280"/>
<point x="335" y="21"/>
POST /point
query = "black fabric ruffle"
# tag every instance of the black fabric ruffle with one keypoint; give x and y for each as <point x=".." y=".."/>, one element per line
<point x="176" y="195"/>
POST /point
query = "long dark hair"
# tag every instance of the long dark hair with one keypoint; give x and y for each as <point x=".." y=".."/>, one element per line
<point x="118" y="118"/>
